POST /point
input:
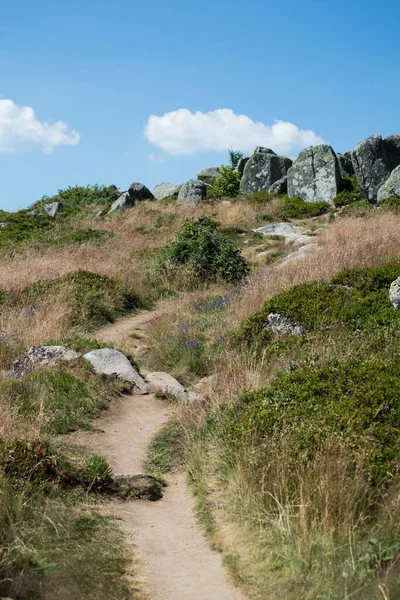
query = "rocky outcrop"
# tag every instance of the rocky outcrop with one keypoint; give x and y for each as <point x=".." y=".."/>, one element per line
<point x="41" y="356"/>
<point x="262" y="170"/>
<point x="122" y="203"/>
<point x="283" y="326"/>
<point x="371" y="166"/>
<point x="112" y="362"/>
<point x="166" y="190"/>
<point x="137" y="191"/>
<point x="394" y="293"/>
<point x="279" y="187"/>
<point x="392" y="147"/>
<point x="209" y="175"/>
<point x="262" y="150"/>
<point x="193" y="192"/>
<point x="291" y="233"/>
<point x="302" y="252"/>
<point x="345" y="165"/>
<point x="241" y="164"/>
<point x="53" y="208"/>
<point x="315" y="176"/>
<point x="391" y="187"/>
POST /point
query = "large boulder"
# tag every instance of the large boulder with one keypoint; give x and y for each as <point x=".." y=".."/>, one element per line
<point x="193" y="192"/>
<point x="392" y="146"/>
<point x="262" y="150"/>
<point x="262" y="170"/>
<point x="209" y="175"/>
<point x="166" y="190"/>
<point x="138" y="191"/>
<point x="112" y="362"/>
<point x="41" y="356"/>
<point x="279" y="187"/>
<point x="394" y="293"/>
<point x="391" y="187"/>
<point x="241" y="164"/>
<point x="345" y="165"/>
<point x="373" y="160"/>
<point x="53" y="208"/>
<point x="122" y="203"/>
<point x="315" y="176"/>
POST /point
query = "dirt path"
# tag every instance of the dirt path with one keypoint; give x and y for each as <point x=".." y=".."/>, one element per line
<point x="179" y="565"/>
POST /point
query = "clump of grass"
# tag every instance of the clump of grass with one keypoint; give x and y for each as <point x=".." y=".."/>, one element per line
<point x="165" y="450"/>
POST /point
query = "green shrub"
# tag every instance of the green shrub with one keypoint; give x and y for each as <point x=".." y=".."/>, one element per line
<point x="357" y="298"/>
<point x="296" y="208"/>
<point x="228" y="184"/>
<point x="75" y="198"/>
<point x="262" y="197"/>
<point x="23" y="226"/>
<point x="393" y="203"/>
<point x="356" y="403"/>
<point x="211" y="255"/>
<point x="350" y="194"/>
<point x="234" y="157"/>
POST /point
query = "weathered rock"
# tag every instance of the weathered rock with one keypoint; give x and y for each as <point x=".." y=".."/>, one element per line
<point x="136" y="487"/>
<point x="394" y="293"/>
<point x="262" y="170"/>
<point x="193" y="192"/>
<point x="345" y="165"/>
<point x="111" y="186"/>
<point x="166" y="190"/>
<point x="112" y="362"/>
<point x="40" y="356"/>
<point x="262" y="150"/>
<point x="100" y="214"/>
<point x="53" y="208"/>
<point x="137" y="191"/>
<point x="241" y="164"/>
<point x="195" y="398"/>
<point x="291" y="233"/>
<point x="315" y="176"/>
<point x="209" y="175"/>
<point x="122" y="203"/>
<point x="279" y="187"/>
<point x="371" y="165"/>
<point x="302" y="252"/>
<point x="391" y="187"/>
<point x="281" y="325"/>
<point x="166" y="384"/>
<point x="392" y="147"/>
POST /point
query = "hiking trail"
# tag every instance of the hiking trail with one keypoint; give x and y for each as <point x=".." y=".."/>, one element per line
<point x="178" y="563"/>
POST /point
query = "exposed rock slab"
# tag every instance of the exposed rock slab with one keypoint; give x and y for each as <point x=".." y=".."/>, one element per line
<point x="40" y="356"/>
<point x="281" y="325"/>
<point x="262" y="170"/>
<point x="291" y="233"/>
<point x="315" y="176"/>
<point x="302" y="252"/>
<point x="122" y="203"/>
<point x="166" y="384"/>
<point x="241" y="164"/>
<point x="108" y="361"/>
<point x="53" y="208"/>
<point x="166" y="190"/>
<point x="394" y="293"/>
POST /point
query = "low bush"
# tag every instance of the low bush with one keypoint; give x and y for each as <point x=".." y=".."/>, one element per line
<point x="227" y="184"/>
<point x="207" y="252"/>
<point x="296" y="208"/>
<point x="262" y="197"/>
<point x="75" y="198"/>
<point x="350" y="194"/>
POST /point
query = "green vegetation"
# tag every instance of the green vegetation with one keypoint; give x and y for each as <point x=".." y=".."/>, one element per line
<point x="76" y="198"/>
<point x="210" y="255"/>
<point x="350" y="194"/>
<point x="296" y="208"/>
<point x="227" y="184"/>
<point x="234" y="157"/>
<point x="165" y="450"/>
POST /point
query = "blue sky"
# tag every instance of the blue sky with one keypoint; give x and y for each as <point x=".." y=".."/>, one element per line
<point x="331" y="69"/>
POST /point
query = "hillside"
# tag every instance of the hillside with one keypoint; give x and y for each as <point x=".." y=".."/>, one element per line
<point x="272" y="310"/>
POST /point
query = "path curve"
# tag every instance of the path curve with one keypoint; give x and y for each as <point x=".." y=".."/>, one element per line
<point x="178" y="563"/>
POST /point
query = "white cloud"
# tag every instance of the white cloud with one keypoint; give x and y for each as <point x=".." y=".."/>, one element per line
<point x="20" y="129"/>
<point x="183" y="132"/>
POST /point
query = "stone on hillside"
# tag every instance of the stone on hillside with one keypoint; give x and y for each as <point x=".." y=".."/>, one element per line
<point x="112" y="362"/>
<point x="281" y="325"/>
<point x="279" y="187"/>
<point x="166" y="190"/>
<point x="302" y="252"/>
<point x="195" y="398"/>
<point x="111" y="186"/>
<point x="345" y="165"/>
<point x="262" y="170"/>
<point x="391" y="187"/>
<point x="315" y="176"/>
<point x="40" y="356"/>
<point x="394" y="293"/>
<point x="122" y="203"/>
<point x="100" y="214"/>
<point x="53" y="208"/>
<point x="166" y="384"/>
<point x="291" y="233"/>
<point x="392" y="146"/>
<point x="241" y="164"/>
<point x="371" y="165"/>
<point x="192" y="192"/>
<point x="138" y="191"/>
<point x="209" y="175"/>
<point x="262" y="150"/>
